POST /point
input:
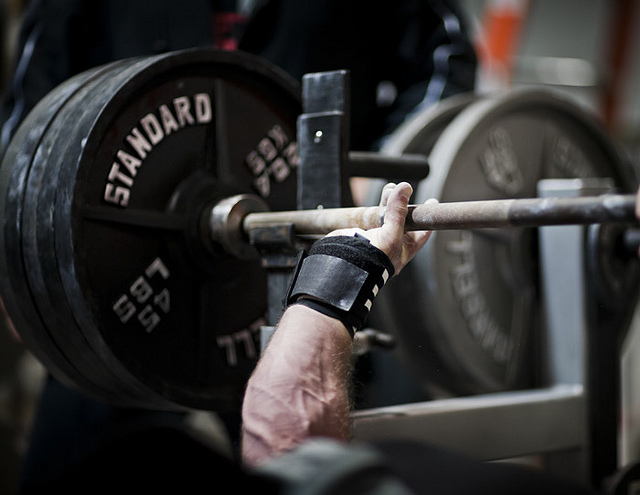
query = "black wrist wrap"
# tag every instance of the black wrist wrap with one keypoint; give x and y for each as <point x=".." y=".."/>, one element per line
<point x="340" y="277"/>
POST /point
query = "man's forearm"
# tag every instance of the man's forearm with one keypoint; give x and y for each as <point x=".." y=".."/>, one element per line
<point x="299" y="389"/>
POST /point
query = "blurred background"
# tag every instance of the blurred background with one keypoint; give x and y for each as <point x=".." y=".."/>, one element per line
<point x="586" y="48"/>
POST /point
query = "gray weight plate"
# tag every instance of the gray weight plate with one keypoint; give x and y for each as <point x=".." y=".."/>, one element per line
<point x="466" y="310"/>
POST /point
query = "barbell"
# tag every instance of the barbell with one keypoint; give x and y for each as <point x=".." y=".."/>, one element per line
<point x="130" y="193"/>
<point x="460" y="215"/>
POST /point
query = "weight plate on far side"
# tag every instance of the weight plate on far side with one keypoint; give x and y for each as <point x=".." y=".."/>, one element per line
<point x="466" y="309"/>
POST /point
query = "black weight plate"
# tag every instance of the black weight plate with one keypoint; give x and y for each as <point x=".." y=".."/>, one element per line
<point x="182" y="320"/>
<point x="466" y="309"/>
<point x="37" y="239"/>
<point x="18" y="298"/>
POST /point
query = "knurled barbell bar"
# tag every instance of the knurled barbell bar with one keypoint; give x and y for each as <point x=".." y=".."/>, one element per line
<point x="232" y="219"/>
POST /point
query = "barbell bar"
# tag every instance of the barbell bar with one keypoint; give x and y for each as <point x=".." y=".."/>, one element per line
<point x="232" y="219"/>
<point x="528" y="212"/>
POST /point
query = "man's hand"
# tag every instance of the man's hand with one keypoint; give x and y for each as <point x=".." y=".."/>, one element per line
<point x="300" y="387"/>
<point x="391" y="238"/>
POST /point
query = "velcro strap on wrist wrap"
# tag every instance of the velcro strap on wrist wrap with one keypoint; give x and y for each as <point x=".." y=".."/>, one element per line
<point x="340" y="277"/>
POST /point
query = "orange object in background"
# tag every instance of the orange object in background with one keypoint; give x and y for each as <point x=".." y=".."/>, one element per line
<point x="500" y="34"/>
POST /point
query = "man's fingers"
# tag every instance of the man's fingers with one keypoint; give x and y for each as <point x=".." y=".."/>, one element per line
<point x="386" y="191"/>
<point x="397" y="207"/>
<point x="391" y="238"/>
